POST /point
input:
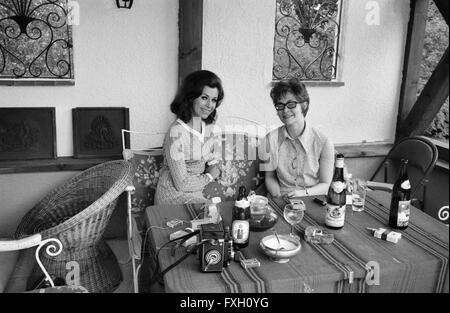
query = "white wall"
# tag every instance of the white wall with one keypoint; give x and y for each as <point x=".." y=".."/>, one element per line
<point x="238" y="46"/>
<point x="122" y="58"/>
<point x="129" y="58"/>
<point x="20" y="192"/>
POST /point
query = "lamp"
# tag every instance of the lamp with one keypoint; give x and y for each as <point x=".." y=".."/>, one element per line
<point x="124" y="4"/>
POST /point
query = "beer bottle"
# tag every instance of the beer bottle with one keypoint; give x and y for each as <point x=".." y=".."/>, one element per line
<point x="240" y="226"/>
<point x="401" y="199"/>
<point x="336" y="197"/>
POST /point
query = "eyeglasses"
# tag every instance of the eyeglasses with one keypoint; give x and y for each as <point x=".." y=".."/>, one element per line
<point x="279" y="106"/>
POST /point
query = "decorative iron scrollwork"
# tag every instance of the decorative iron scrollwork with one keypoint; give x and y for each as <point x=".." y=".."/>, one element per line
<point x="306" y="39"/>
<point x="443" y="213"/>
<point x="35" y="39"/>
<point x="51" y="250"/>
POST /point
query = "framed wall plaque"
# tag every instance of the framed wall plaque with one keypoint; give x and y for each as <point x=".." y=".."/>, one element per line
<point x="27" y="133"/>
<point x="97" y="131"/>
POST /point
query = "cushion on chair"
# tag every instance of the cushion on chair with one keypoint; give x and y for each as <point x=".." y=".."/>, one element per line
<point x="239" y="165"/>
<point x="8" y="262"/>
<point x="146" y="166"/>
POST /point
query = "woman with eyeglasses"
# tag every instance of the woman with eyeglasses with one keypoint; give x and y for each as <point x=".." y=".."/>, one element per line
<point x="185" y="171"/>
<point x="300" y="158"/>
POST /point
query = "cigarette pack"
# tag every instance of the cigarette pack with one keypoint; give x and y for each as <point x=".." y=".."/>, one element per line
<point x="386" y="235"/>
<point x="173" y="223"/>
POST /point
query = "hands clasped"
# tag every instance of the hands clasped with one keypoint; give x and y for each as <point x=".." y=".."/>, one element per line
<point x="213" y="170"/>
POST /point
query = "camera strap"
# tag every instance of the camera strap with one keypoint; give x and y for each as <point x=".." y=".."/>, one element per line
<point x="158" y="275"/>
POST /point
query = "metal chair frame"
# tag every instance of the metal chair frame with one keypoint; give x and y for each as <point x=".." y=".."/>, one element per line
<point x="396" y="153"/>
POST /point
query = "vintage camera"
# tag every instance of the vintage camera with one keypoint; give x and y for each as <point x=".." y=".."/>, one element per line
<point x="215" y="251"/>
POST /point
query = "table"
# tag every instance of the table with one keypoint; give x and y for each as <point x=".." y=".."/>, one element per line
<point x="354" y="262"/>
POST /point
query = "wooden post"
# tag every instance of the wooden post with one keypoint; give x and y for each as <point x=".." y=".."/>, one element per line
<point x="429" y="102"/>
<point x="413" y="58"/>
<point x="190" y="37"/>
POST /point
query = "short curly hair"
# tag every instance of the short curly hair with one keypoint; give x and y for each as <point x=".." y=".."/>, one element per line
<point x="294" y="86"/>
<point x="191" y="88"/>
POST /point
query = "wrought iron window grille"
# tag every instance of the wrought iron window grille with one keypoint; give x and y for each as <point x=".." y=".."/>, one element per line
<point x="307" y="39"/>
<point x="35" y="40"/>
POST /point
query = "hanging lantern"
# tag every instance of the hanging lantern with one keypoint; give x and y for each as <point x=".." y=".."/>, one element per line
<point x="124" y="4"/>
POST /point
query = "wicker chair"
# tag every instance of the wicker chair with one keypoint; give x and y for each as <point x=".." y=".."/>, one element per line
<point x="77" y="213"/>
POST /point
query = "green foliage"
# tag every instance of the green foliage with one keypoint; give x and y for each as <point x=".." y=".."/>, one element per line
<point x="436" y="41"/>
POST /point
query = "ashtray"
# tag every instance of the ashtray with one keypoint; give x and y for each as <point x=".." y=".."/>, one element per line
<point x="280" y="251"/>
<point x="262" y="216"/>
<point x="319" y="235"/>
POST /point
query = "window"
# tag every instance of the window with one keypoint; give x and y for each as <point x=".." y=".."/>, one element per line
<point x="306" y="39"/>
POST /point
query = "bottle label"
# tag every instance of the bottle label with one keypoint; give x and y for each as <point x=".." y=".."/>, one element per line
<point x="240" y="230"/>
<point x="335" y="215"/>
<point x="338" y="186"/>
<point x="403" y="213"/>
<point x="243" y="203"/>
<point x="406" y="185"/>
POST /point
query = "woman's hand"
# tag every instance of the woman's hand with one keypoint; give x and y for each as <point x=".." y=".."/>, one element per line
<point x="213" y="170"/>
<point x="296" y="193"/>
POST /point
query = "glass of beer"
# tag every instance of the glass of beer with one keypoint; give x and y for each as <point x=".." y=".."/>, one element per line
<point x="359" y="194"/>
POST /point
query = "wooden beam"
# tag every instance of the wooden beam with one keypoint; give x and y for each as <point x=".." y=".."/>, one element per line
<point x="50" y="165"/>
<point x="443" y="6"/>
<point x="364" y="149"/>
<point x="429" y="102"/>
<point x="413" y="57"/>
<point x="190" y="37"/>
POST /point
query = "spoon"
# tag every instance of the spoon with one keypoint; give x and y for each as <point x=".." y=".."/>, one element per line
<point x="278" y="239"/>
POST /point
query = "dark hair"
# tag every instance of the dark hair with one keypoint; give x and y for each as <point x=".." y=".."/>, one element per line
<point x="191" y="88"/>
<point x="294" y="86"/>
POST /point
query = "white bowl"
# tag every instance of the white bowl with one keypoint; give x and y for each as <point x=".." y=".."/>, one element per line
<point x="283" y="251"/>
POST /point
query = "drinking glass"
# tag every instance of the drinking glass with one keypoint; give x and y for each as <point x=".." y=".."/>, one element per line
<point x="293" y="214"/>
<point x="359" y="189"/>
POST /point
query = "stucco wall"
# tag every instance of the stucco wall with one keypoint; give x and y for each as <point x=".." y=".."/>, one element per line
<point x="122" y="58"/>
<point x="238" y="45"/>
<point x="129" y="58"/>
<point x="20" y="192"/>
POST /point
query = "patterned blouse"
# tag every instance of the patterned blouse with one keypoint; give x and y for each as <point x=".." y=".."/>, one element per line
<point x="296" y="160"/>
<point x="182" y="177"/>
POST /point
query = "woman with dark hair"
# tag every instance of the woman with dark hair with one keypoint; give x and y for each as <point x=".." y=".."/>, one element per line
<point x="185" y="171"/>
<point x="301" y="158"/>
